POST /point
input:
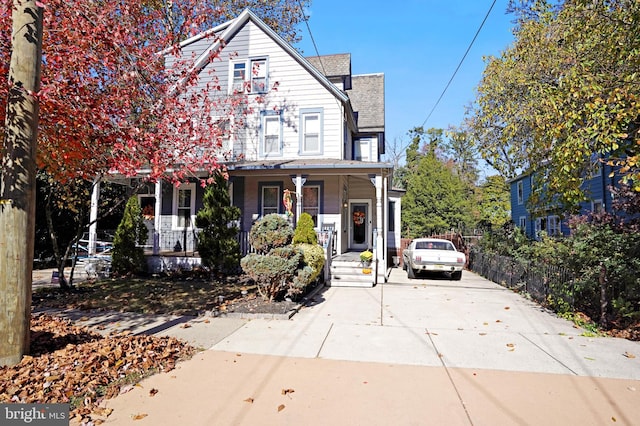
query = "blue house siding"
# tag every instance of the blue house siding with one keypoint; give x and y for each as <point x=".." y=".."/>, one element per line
<point x="596" y="189"/>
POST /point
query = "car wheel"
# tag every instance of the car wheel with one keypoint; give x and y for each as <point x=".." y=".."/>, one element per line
<point x="411" y="274"/>
<point x="456" y="275"/>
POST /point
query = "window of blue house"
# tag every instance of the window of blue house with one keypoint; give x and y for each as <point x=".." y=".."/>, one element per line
<point x="523" y="223"/>
<point x="520" y="192"/>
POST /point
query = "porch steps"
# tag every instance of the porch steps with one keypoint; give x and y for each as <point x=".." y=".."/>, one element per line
<point x="348" y="273"/>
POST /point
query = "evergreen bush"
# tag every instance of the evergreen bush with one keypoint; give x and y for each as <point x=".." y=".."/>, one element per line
<point x="270" y="232"/>
<point x="217" y="241"/>
<point x="127" y="256"/>
<point x="304" y="233"/>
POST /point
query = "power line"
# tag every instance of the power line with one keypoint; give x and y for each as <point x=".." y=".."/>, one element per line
<point x="459" y="64"/>
<point x="315" y="47"/>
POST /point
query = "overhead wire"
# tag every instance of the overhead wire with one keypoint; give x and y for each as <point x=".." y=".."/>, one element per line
<point x="460" y="63"/>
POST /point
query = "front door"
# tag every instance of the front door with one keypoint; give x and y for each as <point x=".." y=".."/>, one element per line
<point x="359" y="225"/>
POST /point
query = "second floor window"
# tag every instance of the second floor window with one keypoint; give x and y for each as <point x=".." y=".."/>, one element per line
<point x="520" y="192"/>
<point x="362" y="149"/>
<point x="311" y="131"/>
<point x="271" y="134"/>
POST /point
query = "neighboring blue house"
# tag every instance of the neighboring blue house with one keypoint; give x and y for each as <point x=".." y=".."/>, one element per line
<point x="597" y="189"/>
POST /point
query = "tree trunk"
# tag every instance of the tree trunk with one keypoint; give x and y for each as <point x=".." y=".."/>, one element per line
<point x="17" y="183"/>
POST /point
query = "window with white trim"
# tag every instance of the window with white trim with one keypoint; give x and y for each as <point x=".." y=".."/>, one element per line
<point x="184" y="201"/>
<point x="270" y="198"/>
<point x="597" y="206"/>
<point x="311" y="202"/>
<point x="553" y="226"/>
<point x="239" y="77"/>
<point x="520" y="186"/>
<point x="259" y="75"/>
<point x="523" y="223"/>
<point x="362" y="149"/>
<point x="541" y="226"/>
<point x="271" y="134"/>
<point x="311" y="122"/>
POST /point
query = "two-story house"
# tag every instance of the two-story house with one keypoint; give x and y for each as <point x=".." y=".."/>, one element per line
<point x="318" y="139"/>
<point x="535" y="220"/>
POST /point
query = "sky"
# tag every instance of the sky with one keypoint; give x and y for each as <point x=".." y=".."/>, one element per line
<point x="417" y="44"/>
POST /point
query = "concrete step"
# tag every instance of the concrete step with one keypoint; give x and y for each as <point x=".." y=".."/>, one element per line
<point x="350" y="274"/>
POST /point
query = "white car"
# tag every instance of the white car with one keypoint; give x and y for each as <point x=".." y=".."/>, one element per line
<point x="433" y="255"/>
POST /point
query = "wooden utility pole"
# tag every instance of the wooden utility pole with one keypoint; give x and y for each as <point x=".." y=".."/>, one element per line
<point x="17" y="182"/>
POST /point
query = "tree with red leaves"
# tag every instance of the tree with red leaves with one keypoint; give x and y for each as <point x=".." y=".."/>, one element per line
<point x="107" y="101"/>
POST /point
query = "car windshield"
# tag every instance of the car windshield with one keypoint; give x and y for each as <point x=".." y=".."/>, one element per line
<point x="434" y="245"/>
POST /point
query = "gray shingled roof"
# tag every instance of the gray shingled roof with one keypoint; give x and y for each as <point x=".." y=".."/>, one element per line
<point x="332" y="65"/>
<point x="367" y="99"/>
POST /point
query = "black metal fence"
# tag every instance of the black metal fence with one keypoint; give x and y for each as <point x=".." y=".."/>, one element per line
<point x="538" y="280"/>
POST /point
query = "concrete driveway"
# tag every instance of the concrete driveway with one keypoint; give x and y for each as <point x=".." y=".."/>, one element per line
<point x="419" y="352"/>
<point x="472" y="323"/>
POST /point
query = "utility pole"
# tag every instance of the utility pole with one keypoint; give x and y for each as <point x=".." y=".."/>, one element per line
<point x="17" y="181"/>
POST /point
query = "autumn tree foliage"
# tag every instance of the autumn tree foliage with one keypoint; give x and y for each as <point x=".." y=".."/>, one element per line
<point x="565" y="95"/>
<point x="107" y="101"/>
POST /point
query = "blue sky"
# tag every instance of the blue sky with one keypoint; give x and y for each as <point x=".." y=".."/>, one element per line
<point x="417" y="44"/>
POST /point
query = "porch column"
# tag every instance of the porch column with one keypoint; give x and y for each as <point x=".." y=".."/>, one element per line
<point x="380" y="252"/>
<point x="299" y="181"/>
<point x="93" y="217"/>
<point x="156" y="218"/>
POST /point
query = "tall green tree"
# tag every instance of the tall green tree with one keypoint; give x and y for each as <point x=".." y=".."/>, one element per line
<point x="435" y="201"/>
<point x="494" y="202"/>
<point x="217" y="242"/>
<point x="566" y="90"/>
<point x="128" y="255"/>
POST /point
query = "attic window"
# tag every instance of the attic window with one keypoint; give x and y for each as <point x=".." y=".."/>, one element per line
<point x="258" y="75"/>
<point x="239" y="77"/>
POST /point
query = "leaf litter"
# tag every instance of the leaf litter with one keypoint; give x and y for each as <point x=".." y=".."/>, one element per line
<point x="74" y="365"/>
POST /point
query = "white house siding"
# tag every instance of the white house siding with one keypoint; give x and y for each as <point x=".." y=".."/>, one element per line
<point x="296" y="89"/>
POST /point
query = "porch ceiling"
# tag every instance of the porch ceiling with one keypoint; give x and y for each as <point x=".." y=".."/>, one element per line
<point x="326" y="166"/>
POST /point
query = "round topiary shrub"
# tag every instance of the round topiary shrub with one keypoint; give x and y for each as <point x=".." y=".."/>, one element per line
<point x="270" y="232"/>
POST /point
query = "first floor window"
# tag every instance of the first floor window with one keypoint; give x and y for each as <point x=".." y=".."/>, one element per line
<point x="392" y="216"/>
<point x="523" y="223"/>
<point x="541" y="226"/>
<point x="184" y="203"/>
<point x="270" y="199"/>
<point x="311" y="202"/>
<point x="596" y="206"/>
<point x="553" y="226"/>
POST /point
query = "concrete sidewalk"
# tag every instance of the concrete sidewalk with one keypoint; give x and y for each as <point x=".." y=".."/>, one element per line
<point x="424" y="351"/>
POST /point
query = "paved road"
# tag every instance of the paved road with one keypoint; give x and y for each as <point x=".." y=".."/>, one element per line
<point x="424" y="351"/>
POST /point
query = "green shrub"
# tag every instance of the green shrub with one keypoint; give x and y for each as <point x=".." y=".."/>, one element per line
<point x="270" y="232"/>
<point x="312" y="256"/>
<point x="272" y="273"/>
<point x="304" y="233"/>
<point x="217" y="242"/>
<point x="127" y="257"/>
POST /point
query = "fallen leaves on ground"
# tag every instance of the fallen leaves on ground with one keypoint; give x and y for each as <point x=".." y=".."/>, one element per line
<point x="70" y="364"/>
